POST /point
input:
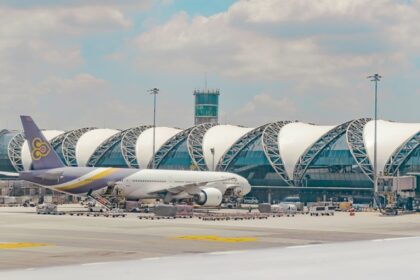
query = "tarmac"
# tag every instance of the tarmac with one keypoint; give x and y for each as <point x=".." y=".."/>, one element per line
<point x="385" y="259"/>
<point x="28" y="240"/>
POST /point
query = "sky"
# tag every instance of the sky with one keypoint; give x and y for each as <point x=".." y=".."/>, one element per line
<point x="72" y="64"/>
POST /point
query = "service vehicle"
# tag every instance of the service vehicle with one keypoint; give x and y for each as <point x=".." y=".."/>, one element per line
<point x="323" y="210"/>
<point x="295" y="200"/>
<point x="46" y="209"/>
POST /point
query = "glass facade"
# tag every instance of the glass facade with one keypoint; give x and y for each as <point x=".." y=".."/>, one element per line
<point x="206" y="106"/>
<point x="5" y="164"/>
<point x="412" y="164"/>
<point x="206" y="111"/>
<point x="59" y="151"/>
<point x="207" y="98"/>
<point x="178" y="158"/>
<point x="113" y="158"/>
<point x="336" y="167"/>
<point x="252" y="164"/>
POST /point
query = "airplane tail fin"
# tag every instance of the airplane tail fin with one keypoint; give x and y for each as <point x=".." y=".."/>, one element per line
<point x="43" y="155"/>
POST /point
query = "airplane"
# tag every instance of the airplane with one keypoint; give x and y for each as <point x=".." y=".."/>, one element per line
<point x="204" y="188"/>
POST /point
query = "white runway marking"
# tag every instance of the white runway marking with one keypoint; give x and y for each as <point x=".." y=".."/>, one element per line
<point x="303" y="246"/>
<point x="227" y="252"/>
<point x="95" y="263"/>
<point x="155" y="259"/>
<point x="392" y="239"/>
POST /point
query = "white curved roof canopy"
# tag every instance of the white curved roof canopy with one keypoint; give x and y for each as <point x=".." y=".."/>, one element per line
<point x="294" y="139"/>
<point x="221" y="138"/>
<point x="26" y="155"/>
<point x="391" y="136"/>
<point x="144" y="145"/>
<point x="89" y="142"/>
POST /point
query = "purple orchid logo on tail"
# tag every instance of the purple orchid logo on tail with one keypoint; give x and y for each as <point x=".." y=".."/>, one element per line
<point x="40" y="149"/>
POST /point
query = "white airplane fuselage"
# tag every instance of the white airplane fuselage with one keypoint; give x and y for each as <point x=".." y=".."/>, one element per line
<point x="148" y="183"/>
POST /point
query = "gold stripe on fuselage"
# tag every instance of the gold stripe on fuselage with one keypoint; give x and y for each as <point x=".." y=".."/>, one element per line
<point x="86" y="181"/>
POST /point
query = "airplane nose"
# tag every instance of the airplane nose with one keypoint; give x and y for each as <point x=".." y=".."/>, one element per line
<point x="245" y="186"/>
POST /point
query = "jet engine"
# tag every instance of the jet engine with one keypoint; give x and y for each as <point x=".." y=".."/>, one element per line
<point x="209" y="197"/>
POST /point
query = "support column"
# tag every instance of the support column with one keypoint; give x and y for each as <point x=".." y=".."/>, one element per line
<point x="269" y="195"/>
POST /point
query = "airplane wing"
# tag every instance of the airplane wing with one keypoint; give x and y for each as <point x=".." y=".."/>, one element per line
<point x="190" y="188"/>
<point x="9" y="174"/>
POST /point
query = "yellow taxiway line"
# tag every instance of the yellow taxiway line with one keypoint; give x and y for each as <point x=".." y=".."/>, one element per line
<point x="18" y="245"/>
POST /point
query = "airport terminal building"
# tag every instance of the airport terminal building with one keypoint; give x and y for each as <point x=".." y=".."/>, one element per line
<point x="279" y="158"/>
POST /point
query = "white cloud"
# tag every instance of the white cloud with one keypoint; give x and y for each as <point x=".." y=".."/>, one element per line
<point x="263" y="108"/>
<point x="67" y="103"/>
<point x="41" y="22"/>
<point x="41" y="45"/>
<point x="265" y="100"/>
<point x="39" y="41"/>
<point x="322" y="48"/>
<point x="308" y="58"/>
<point x="126" y="4"/>
<point x="259" y="39"/>
<point x="79" y="85"/>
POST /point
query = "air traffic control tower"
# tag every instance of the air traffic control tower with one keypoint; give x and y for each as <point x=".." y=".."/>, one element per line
<point x="206" y="106"/>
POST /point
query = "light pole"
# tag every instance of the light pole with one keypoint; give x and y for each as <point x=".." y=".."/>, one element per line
<point x="375" y="78"/>
<point x="154" y="91"/>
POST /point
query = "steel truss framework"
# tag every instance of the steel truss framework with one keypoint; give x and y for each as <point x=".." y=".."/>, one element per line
<point x="4" y="131"/>
<point x="168" y="147"/>
<point x="400" y="156"/>
<point x="103" y="148"/>
<point x="56" y="141"/>
<point x="128" y="144"/>
<point x="357" y="146"/>
<point x="14" y="151"/>
<point x="270" y="142"/>
<point x="313" y="151"/>
<point x="195" y="145"/>
<point x="236" y="148"/>
<point x="69" y="145"/>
